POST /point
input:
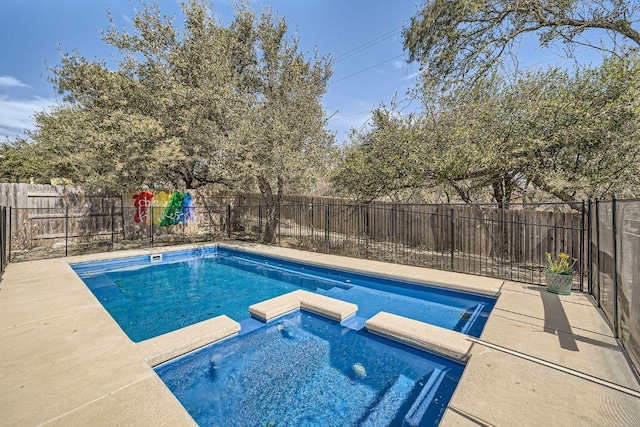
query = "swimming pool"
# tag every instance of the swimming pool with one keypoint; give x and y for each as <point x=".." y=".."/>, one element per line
<point x="149" y="298"/>
<point x="303" y="369"/>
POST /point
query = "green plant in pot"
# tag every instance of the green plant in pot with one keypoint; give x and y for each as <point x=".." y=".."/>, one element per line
<point x="560" y="274"/>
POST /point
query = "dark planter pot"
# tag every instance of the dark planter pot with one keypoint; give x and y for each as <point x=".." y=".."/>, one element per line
<point x="559" y="283"/>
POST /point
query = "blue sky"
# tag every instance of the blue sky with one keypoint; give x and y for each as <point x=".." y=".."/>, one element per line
<point x="32" y="31"/>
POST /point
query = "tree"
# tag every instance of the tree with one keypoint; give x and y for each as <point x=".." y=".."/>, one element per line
<point x="236" y="105"/>
<point x="386" y="160"/>
<point x="166" y="115"/>
<point x="460" y="39"/>
<point x="583" y="131"/>
<point x="285" y="145"/>
<point x="551" y="134"/>
<point x="20" y="163"/>
<point x="456" y="146"/>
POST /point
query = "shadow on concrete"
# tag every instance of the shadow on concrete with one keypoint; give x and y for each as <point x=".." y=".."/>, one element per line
<point x="556" y="321"/>
<point x="558" y="332"/>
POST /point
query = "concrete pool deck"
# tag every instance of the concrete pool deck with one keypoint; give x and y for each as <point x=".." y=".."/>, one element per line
<point x="542" y="359"/>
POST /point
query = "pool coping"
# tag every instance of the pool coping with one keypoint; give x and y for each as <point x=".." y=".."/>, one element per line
<point x="66" y="362"/>
<point x="322" y="305"/>
<point x="423" y="336"/>
<point x="484" y="286"/>
<point x="176" y="343"/>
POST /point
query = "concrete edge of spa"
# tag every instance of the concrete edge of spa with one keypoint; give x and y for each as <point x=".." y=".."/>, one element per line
<point x="319" y="304"/>
<point x="542" y="359"/>
<point x="414" y="333"/>
<point x="165" y="347"/>
<point x="420" y="335"/>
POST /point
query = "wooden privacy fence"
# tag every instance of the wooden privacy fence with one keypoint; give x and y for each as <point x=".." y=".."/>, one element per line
<point x="527" y="231"/>
<point x="478" y="239"/>
<point x="43" y="215"/>
<point x="520" y="235"/>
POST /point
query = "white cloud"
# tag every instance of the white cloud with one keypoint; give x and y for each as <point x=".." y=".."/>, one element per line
<point x="353" y="120"/>
<point x="398" y="64"/>
<point x="8" y="81"/>
<point x="412" y="75"/>
<point x="16" y="115"/>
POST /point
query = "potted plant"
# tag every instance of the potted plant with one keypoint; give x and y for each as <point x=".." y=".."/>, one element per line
<point x="560" y="274"/>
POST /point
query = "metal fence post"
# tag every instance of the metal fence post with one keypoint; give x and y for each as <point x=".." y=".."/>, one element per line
<point x="359" y="230"/>
<point x="229" y="221"/>
<point x="3" y="237"/>
<point x="151" y="224"/>
<point x="598" y="248"/>
<point x="589" y="250"/>
<point x="394" y="228"/>
<point x="503" y="237"/>
<point x="614" y="230"/>
<point x="10" y="231"/>
<point x="313" y="220"/>
<point x="66" y="230"/>
<point x="124" y="231"/>
<point x="113" y="226"/>
<point x="6" y="232"/>
<point x="440" y="244"/>
<point x="183" y="218"/>
<point x="3" y="243"/>
<point x="326" y="229"/>
<point x="453" y="244"/>
<point x="581" y="264"/>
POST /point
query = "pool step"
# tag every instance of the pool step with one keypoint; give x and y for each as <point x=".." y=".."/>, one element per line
<point x="354" y="322"/>
<point x="472" y="318"/>
<point x="387" y="408"/>
<point x="421" y="405"/>
<point x="250" y="324"/>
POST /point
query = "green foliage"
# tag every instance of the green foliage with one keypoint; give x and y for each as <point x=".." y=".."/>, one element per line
<point x="234" y="105"/>
<point x="548" y="135"/>
<point x="584" y="130"/>
<point x="479" y="138"/>
<point x="385" y="161"/>
<point x="562" y="265"/>
<point x="462" y="39"/>
<point x="20" y="162"/>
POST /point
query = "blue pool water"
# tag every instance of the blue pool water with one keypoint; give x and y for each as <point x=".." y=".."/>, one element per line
<point x="148" y="299"/>
<point x="304" y="370"/>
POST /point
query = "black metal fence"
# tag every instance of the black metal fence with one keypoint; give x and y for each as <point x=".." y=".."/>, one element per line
<point x="4" y="237"/>
<point x="614" y="258"/>
<point x="483" y="240"/>
<point x="476" y="239"/>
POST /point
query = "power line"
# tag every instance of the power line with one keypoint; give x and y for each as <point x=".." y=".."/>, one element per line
<point x="371" y="43"/>
<point x="350" y="115"/>
<point x="365" y="69"/>
<point x="364" y="47"/>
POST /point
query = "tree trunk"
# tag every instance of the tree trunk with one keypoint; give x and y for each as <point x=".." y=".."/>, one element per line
<point x="272" y="208"/>
<point x="502" y="187"/>
<point x="502" y="190"/>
